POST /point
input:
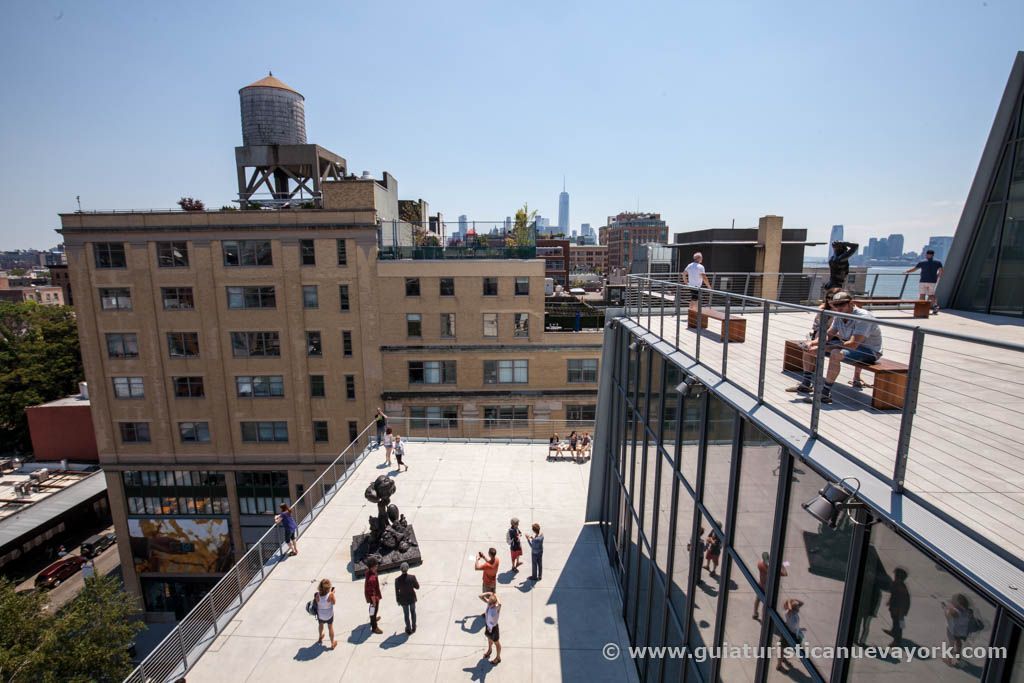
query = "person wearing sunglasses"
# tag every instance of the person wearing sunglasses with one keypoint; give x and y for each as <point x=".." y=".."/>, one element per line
<point x="858" y="340"/>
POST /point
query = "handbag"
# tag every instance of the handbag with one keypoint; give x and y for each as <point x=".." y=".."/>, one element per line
<point x="311" y="606"/>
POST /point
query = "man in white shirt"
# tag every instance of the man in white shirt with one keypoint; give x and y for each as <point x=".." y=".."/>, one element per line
<point x="695" y="275"/>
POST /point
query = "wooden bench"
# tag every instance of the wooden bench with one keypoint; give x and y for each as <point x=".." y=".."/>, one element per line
<point x="922" y="307"/>
<point x="737" y="325"/>
<point x="890" y="384"/>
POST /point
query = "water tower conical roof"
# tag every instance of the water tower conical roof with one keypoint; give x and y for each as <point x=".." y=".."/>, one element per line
<point x="269" y="81"/>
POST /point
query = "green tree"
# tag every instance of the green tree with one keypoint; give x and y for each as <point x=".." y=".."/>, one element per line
<point x="86" y="641"/>
<point x="21" y="627"/>
<point x="524" y="218"/>
<point x="39" y="361"/>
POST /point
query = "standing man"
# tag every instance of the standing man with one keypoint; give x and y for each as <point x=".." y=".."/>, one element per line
<point x="382" y="421"/>
<point x="839" y="264"/>
<point x="536" y="552"/>
<point x="406" y="586"/>
<point x="371" y="591"/>
<point x="931" y="271"/>
<point x="696" y="276"/>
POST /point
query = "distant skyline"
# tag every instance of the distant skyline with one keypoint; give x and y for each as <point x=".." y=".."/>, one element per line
<point x="870" y="114"/>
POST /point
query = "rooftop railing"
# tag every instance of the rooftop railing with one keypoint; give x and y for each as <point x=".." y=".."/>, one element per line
<point x="937" y="401"/>
<point x="183" y="646"/>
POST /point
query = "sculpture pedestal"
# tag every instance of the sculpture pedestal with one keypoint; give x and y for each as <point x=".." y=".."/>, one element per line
<point x="362" y="548"/>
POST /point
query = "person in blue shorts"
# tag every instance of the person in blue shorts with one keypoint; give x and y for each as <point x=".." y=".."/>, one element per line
<point x="858" y="339"/>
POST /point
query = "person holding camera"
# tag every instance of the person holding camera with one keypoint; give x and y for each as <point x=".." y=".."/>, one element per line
<point x="324" y="601"/>
<point x="839" y="263"/>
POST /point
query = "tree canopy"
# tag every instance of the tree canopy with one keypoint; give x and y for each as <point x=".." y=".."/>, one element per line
<point x="521" y="227"/>
<point x="87" y="640"/>
<point x="39" y="361"/>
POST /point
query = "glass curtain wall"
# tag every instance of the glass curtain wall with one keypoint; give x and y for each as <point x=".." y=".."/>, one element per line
<point x="705" y="530"/>
<point x="990" y="277"/>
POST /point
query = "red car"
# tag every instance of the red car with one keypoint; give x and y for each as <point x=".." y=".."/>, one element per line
<point x="60" y="570"/>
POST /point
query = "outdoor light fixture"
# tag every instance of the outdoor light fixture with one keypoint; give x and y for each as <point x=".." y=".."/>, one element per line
<point x="689" y="386"/>
<point x="832" y="500"/>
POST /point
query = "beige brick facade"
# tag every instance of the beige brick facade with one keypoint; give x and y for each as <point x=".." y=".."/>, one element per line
<point x="376" y="320"/>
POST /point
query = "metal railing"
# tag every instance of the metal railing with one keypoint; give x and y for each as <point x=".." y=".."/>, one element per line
<point x="496" y="428"/>
<point x="806" y="287"/>
<point x="183" y="646"/>
<point x="936" y="396"/>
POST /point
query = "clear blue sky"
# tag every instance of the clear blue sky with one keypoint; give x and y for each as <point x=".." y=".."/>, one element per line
<point x="871" y="114"/>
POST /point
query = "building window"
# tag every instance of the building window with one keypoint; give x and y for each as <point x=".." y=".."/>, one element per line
<point x="122" y="345"/>
<point x="314" y="344"/>
<point x="346" y="344"/>
<point x="505" y="417"/>
<point x="413" y="325"/>
<point x="582" y="370"/>
<point x="134" y="432"/>
<point x="128" y="387"/>
<point x="109" y="255"/>
<point x="310" y="297"/>
<point x="116" y="299"/>
<point x="506" y="371"/>
<point x="522" y="325"/>
<point x="177" y="298"/>
<point x="252" y="297"/>
<point x="248" y="253"/>
<point x="412" y="286"/>
<point x="183" y="344"/>
<point x="581" y="413"/>
<point x="490" y="286"/>
<point x="259" y="386"/>
<point x="350" y="387"/>
<point x="522" y="286"/>
<point x="448" y="325"/>
<point x="175" y="492"/>
<point x="490" y="324"/>
<point x="320" y="431"/>
<point x="343" y="297"/>
<point x="353" y="431"/>
<point x="262" y="432"/>
<point x="317" y="388"/>
<point x="255" y="344"/>
<point x="261" y="493"/>
<point x="432" y="372"/>
<point x="342" y="253"/>
<point x="421" y="417"/>
<point x="188" y="387"/>
<point x="194" y="432"/>
<point x="447" y="286"/>
<point x="307" y="250"/>
<point x="172" y="254"/>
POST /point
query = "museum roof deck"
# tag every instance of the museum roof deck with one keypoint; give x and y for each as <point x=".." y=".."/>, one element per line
<point x="459" y="498"/>
<point x="963" y="442"/>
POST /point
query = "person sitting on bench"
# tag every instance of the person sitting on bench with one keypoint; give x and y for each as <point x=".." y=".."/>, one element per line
<point x="554" y="444"/>
<point x="858" y="341"/>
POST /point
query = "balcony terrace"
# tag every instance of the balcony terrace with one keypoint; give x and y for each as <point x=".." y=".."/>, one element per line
<point x="459" y="497"/>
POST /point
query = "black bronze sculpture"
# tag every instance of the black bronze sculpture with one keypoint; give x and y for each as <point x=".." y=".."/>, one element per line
<point x="391" y="539"/>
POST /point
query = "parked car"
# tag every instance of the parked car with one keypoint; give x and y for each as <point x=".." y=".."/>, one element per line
<point x="52" y="576"/>
<point x="94" y="545"/>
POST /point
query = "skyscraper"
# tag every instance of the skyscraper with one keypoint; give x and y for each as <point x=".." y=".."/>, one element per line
<point x="837" y="234"/>
<point x="463" y="226"/>
<point x="895" y="244"/>
<point x="563" y="210"/>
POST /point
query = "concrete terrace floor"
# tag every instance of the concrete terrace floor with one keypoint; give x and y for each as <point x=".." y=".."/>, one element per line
<point x="966" y="456"/>
<point x="459" y="497"/>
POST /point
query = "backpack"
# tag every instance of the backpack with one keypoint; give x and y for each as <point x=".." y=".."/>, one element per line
<point x="974" y="624"/>
<point x="311" y="606"/>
